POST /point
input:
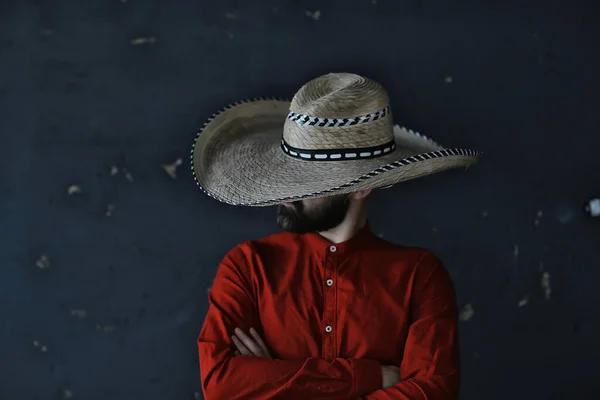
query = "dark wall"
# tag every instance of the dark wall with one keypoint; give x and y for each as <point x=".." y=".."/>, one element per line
<point x="114" y="308"/>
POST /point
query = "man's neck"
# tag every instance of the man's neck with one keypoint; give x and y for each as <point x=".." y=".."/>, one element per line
<point x="347" y="229"/>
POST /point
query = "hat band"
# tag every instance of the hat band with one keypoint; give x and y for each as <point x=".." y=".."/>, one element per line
<point x="338" y="154"/>
<point x="302" y="119"/>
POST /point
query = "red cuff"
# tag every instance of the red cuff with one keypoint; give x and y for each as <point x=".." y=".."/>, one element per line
<point x="367" y="376"/>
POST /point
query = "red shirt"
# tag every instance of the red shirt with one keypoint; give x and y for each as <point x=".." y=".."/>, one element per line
<point x="331" y="315"/>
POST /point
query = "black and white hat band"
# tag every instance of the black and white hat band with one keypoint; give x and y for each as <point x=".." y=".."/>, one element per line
<point x="302" y="119"/>
<point x="338" y="154"/>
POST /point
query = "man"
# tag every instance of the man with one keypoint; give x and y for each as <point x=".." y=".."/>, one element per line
<point x="325" y="309"/>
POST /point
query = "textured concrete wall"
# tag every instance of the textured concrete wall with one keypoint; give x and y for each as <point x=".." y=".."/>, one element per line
<point x="106" y="258"/>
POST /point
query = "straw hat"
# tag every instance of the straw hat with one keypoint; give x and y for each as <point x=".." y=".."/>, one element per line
<point x="336" y="136"/>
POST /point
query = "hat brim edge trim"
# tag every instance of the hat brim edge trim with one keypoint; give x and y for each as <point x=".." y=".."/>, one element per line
<point x="385" y="168"/>
<point x="208" y="121"/>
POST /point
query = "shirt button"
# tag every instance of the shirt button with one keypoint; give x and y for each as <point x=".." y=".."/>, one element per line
<point x="329" y="282"/>
<point x="333" y="249"/>
<point x="328" y="328"/>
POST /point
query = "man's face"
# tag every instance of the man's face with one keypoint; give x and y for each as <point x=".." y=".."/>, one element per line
<point x="313" y="215"/>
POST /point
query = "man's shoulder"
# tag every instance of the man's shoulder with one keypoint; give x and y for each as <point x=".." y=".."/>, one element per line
<point x="385" y="244"/>
<point x="262" y="245"/>
<point x="411" y="255"/>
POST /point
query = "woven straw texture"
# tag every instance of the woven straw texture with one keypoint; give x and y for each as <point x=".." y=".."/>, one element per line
<point x="346" y="96"/>
<point x="237" y="157"/>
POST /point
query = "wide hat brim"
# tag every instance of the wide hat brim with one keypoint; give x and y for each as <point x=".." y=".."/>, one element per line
<point x="237" y="159"/>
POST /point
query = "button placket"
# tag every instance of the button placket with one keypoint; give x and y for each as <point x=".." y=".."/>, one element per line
<point x="329" y="307"/>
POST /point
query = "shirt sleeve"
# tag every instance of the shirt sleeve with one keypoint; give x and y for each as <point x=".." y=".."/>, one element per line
<point x="225" y="376"/>
<point x="431" y="363"/>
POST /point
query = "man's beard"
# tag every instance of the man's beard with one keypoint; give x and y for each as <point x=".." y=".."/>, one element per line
<point x="320" y="218"/>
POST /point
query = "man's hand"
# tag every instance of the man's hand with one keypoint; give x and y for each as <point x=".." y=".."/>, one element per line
<point x="250" y="346"/>
<point x="391" y="375"/>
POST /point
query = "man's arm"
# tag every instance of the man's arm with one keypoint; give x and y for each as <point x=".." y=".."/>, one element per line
<point x="225" y="376"/>
<point x="431" y="364"/>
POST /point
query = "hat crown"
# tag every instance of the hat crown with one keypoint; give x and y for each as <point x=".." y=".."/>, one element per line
<point x="339" y="95"/>
<point x="339" y="111"/>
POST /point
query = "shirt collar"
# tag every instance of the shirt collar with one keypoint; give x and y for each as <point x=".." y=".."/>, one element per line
<point x="321" y="245"/>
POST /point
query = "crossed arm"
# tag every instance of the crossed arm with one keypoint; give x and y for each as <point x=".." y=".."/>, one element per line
<point x="429" y="369"/>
